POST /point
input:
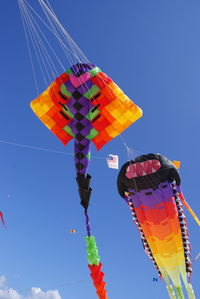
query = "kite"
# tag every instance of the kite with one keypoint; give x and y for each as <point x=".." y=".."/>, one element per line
<point x="84" y="104"/>
<point x="1" y="216"/>
<point x="72" y="231"/>
<point x="150" y="185"/>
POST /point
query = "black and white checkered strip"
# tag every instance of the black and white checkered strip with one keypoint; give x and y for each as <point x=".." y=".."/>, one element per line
<point x="184" y="231"/>
<point x="144" y="241"/>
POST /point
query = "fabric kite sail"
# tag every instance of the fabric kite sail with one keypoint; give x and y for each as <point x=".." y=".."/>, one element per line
<point x="84" y="104"/>
<point x="151" y="186"/>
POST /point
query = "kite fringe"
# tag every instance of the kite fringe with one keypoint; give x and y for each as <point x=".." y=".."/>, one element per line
<point x="184" y="231"/>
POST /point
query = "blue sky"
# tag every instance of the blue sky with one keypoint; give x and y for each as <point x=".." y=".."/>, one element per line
<point x="151" y="50"/>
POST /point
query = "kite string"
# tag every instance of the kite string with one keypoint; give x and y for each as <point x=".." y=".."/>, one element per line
<point x="28" y="46"/>
<point x="55" y="32"/>
<point x="46" y="25"/>
<point x="197" y="257"/>
<point x="58" y="31"/>
<point x="36" y="35"/>
<point x="78" y="54"/>
<point x="37" y="44"/>
<point x="42" y="149"/>
<point x="46" y="55"/>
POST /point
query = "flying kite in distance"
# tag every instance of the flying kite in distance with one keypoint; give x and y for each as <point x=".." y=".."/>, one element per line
<point x="150" y="184"/>
<point x="84" y="104"/>
<point x="1" y="217"/>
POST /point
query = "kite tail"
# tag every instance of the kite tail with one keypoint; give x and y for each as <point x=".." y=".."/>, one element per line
<point x="97" y="276"/>
<point x="170" y="291"/>
<point x="95" y="267"/>
<point x="88" y="227"/>
<point x="179" y="292"/>
<point x="186" y="247"/>
<point x="94" y="262"/>
<point x="82" y="156"/>
<point x="190" y="291"/>
<point x="188" y="287"/>
<point x="169" y="287"/>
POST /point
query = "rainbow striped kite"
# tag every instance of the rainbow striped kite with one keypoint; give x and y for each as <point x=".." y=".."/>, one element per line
<point x="151" y="186"/>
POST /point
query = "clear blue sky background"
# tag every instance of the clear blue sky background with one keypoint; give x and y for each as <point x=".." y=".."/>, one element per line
<point x="152" y="50"/>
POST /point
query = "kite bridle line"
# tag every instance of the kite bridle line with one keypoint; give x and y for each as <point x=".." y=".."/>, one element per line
<point x="41" y="45"/>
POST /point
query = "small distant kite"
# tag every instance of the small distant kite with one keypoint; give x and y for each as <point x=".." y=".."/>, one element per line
<point x="72" y="231"/>
<point x="1" y="217"/>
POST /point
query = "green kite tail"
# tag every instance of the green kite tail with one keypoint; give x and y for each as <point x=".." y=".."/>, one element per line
<point x="95" y="267"/>
<point x="179" y="292"/>
<point x="92" y="250"/>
